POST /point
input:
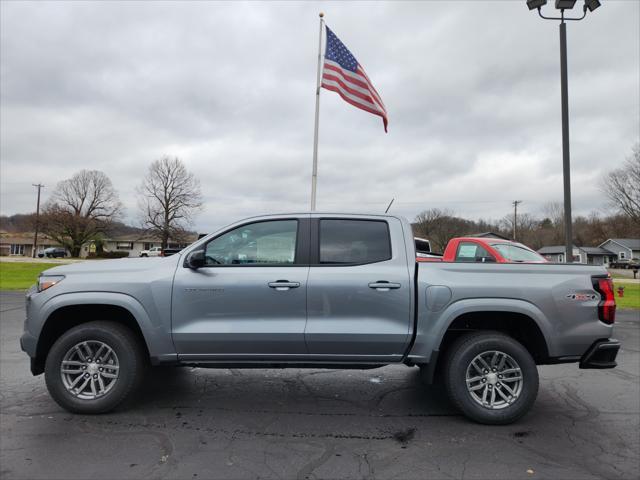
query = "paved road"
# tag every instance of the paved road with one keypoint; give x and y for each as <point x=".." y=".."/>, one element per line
<point x="196" y="423"/>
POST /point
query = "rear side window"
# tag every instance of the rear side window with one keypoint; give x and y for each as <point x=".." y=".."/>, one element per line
<point x="472" y="252"/>
<point x="422" y="246"/>
<point x="354" y="241"/>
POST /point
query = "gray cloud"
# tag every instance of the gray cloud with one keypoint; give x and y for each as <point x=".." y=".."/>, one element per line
<point x="472" y="90"/>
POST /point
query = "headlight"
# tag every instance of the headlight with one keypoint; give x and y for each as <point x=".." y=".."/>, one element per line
<point x="48" y="281"/>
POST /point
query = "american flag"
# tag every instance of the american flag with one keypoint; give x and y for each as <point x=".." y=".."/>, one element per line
<point x="344" y="75"/>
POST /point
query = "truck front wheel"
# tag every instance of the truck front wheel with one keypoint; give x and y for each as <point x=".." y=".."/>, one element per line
<point x="490" y="377"/>
<point x="93" y="367"/>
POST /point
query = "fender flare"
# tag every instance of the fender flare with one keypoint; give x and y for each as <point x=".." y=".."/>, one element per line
<point x="432" y="326"/>
<point x="157" y="336"/>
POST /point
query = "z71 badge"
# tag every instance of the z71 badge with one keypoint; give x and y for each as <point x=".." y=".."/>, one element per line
<point x="582" y="297"/>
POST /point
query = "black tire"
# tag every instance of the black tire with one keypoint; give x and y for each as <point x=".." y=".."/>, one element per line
<point x="144" y="255"/>
<point x="458" y="359"/>
<point x="131" y="361"/>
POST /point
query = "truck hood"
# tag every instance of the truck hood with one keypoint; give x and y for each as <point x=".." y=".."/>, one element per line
<point x="123" y="265"/>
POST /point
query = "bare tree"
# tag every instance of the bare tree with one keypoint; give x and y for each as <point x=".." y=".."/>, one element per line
<point x="552" y="223"/>
<point x="622" y="186"/>
<point x="527" y="228"/>
<point x="80" y="208"/>
<point x="169" y="198"/>
<point x="439" y="226"/>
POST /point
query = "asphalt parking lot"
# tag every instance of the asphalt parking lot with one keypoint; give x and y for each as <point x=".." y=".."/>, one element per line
<point x="300" y="423"/>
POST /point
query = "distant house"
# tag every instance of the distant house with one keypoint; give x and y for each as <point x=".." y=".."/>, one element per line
<point x="586" y="255"/>
<point x="556" y="254"/>
<point x="624" y="249"/>
<point x="21" y="244"/>
<point x="597" y="255"/>
<point x="134" y="244"/>
<point x="620" y="249"/>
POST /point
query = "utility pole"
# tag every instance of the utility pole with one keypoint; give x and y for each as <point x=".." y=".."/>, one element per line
<point x="515" y="216"/>
<point x="39" y="186"/>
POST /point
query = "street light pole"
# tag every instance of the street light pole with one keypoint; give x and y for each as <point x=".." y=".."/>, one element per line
<point x="562" y="5"/>
<point x="566" y="170"/>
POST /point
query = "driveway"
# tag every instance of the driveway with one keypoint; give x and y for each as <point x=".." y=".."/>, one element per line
<point x="300" y="423"/>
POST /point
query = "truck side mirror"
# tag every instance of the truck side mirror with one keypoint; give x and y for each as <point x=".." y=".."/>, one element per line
<point x="195" y="259"/>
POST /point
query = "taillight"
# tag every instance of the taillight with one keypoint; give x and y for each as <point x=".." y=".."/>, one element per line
<point x="607" y="305"/>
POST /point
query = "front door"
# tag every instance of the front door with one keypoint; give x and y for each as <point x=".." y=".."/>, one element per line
<point x="359" y="291"/>
<point x="249" y="300"/>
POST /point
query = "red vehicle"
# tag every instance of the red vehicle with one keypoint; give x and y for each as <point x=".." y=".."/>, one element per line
<point x="478" y="249"/>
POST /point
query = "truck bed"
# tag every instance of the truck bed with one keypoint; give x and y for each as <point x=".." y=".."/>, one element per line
<point x="558" y="297"/>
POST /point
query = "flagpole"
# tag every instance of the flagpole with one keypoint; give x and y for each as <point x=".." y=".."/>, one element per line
<point x="314" y="175"/>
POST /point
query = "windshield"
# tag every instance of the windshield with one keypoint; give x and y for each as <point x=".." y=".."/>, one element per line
<point x="517" y="253"/>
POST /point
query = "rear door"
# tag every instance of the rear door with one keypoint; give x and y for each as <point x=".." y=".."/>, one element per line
<point x="359" y="290"/>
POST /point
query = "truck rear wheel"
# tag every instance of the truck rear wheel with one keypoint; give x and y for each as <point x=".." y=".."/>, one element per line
<point x="490" y="377"/>
<point x="93" y="367"/>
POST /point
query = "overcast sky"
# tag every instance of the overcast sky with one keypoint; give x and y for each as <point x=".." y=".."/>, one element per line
<point x="472" y="89"/>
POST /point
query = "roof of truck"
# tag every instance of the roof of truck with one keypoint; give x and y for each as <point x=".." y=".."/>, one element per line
<point x="327" y="214"/>
<point x="485" y="239"/>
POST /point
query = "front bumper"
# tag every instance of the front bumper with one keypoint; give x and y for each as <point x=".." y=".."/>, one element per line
<point x="28" y="344"/>
<point x="602" y="354"/>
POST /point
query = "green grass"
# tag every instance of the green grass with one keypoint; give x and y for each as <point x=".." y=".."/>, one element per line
<point x="20" y="276"/>
<point x="615" y="275"/>
<point x="631" y="297"/>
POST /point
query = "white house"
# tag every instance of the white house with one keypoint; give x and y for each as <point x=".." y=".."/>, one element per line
<point x="134" y="244"/>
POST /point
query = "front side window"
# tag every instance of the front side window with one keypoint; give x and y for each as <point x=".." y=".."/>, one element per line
<point x="472" y="252"/>
<point x="262" y="243"/>
<point x="354" y="241"/>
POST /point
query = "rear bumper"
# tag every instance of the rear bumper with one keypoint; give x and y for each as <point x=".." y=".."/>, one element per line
<point x="602" y="354"/>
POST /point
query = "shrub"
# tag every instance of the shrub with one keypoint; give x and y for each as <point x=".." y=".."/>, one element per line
<point x="108" y="255"/>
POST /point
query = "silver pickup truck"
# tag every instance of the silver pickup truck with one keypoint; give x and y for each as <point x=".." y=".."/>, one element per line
<point x="317" y="290"/>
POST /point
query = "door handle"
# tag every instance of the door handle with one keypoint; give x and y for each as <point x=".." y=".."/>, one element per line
<point x="282" y="285"/>
<point x="384" y="286"/>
